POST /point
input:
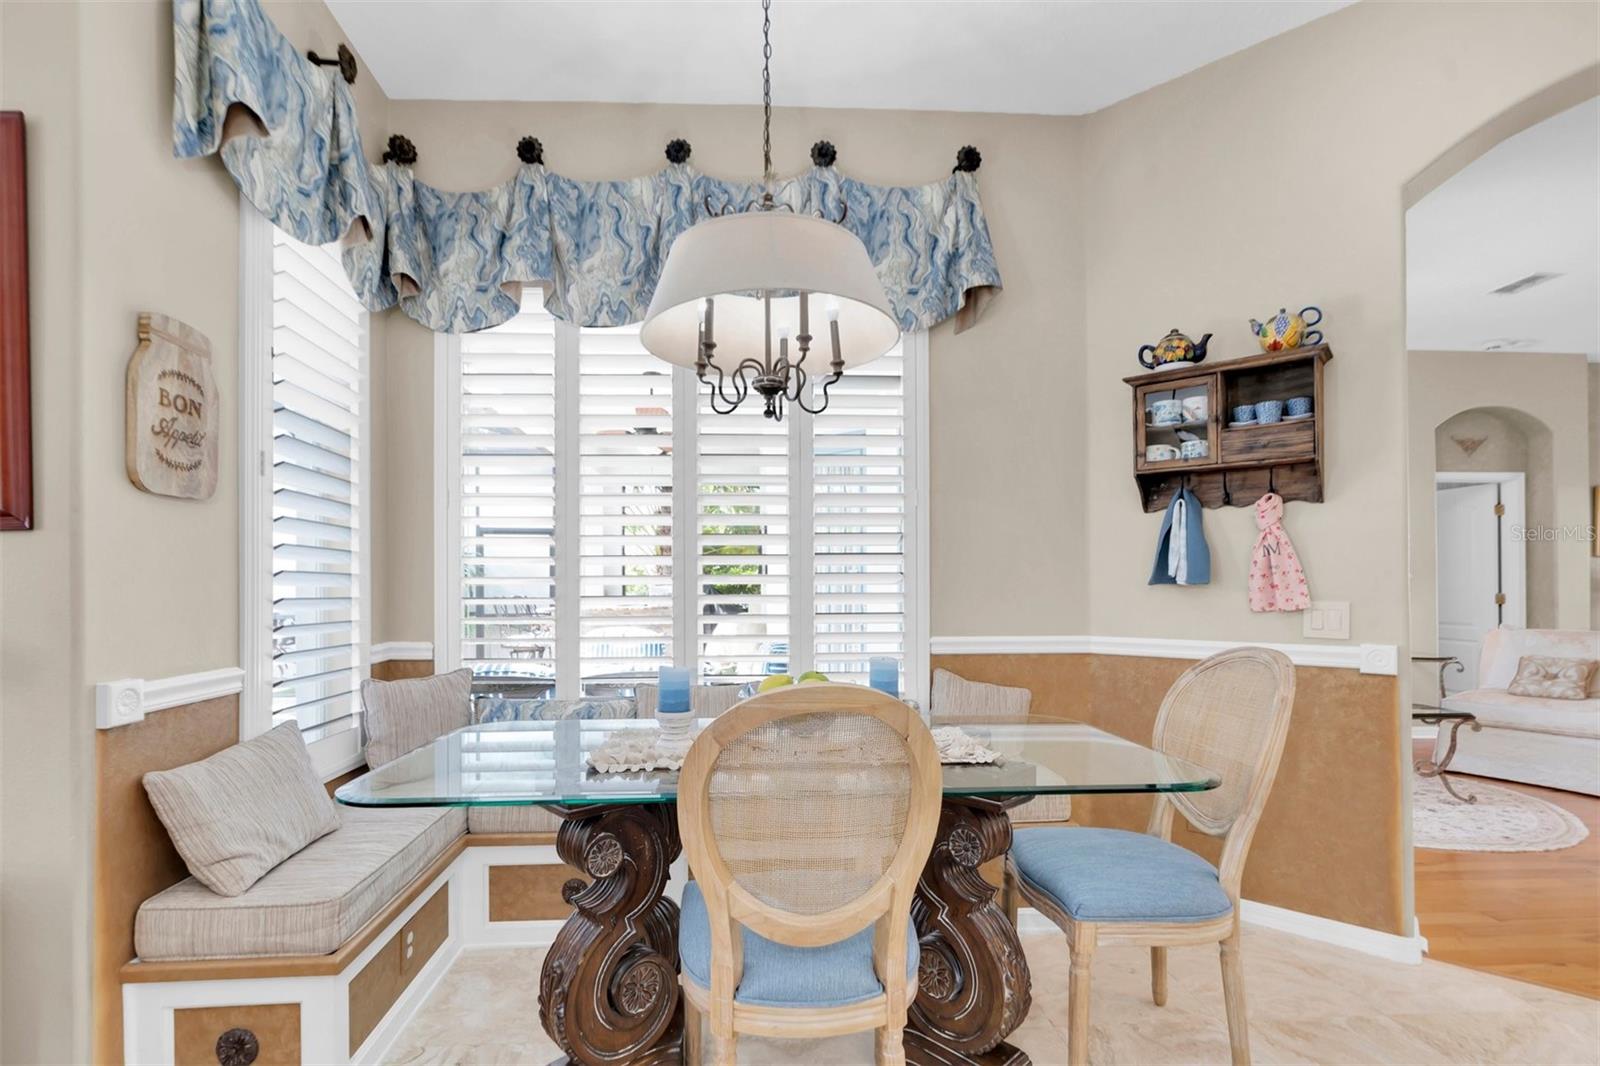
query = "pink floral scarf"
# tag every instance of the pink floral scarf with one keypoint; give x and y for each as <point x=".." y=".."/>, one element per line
<point x="1277" y="581"/>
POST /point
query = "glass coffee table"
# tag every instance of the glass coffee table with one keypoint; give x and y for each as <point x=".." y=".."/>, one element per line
<point x="1439" y="768"/>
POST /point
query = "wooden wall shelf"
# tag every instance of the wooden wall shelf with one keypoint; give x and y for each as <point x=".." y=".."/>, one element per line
<point x="1241" y="462"/>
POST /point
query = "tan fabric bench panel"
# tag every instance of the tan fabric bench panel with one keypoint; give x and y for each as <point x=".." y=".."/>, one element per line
<point x="1043" y="809"/>
<point x="381" y="981"/>
<point x="529" y="892"/>
<point x="275" y="1028"/>
<point x="511" y="820"/>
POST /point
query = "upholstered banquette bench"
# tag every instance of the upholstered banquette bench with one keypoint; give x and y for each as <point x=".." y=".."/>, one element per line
<point x="310" y="932"/>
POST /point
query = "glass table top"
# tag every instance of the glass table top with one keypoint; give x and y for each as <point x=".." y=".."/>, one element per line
<point x="545" y="763"/>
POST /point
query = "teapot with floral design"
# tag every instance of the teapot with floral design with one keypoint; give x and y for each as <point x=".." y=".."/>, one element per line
<point x="1174" y="349"/>
<point x="1283" y="330"/>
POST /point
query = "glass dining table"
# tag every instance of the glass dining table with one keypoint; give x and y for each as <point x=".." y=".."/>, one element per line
<point x="608" y="990"/>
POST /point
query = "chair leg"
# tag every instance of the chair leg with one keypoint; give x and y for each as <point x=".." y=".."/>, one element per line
<point x="891" y="1046"/>
<point x="724" y="1049"/>
<point x="1081" y="944"/>
<point x="693" y="1049"/>
<point x="1158" y="976"/>
<point x="1233" y="999"/>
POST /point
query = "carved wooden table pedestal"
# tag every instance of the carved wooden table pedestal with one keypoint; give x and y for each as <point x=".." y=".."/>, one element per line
<point x="608" y="993"/>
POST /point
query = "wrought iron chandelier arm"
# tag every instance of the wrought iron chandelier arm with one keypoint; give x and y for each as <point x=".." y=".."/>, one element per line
<point x="826" y="385"/>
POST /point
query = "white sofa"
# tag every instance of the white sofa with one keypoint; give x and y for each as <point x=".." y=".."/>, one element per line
<point x="1548" y="742"/>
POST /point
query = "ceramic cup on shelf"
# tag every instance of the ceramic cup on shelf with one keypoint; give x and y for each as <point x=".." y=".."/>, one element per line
<point x="1299" y="406"/>
<point x="1245" y="413"/>
<point x="1166" y="412"/>
<point x="1196" y="449"/>
<point x="1195" y="409"/>
<point x="1269" y="411"/>
<point x="1160" y="453"/>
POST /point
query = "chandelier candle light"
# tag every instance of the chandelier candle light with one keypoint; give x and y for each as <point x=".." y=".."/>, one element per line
<point x="750" y="281"/>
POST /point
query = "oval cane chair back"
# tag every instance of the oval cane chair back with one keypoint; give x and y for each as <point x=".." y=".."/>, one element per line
<point x="808" y="813"/>
<point x="1229" y="713"/>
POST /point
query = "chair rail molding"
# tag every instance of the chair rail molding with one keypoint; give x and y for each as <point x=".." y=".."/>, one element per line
<point x="127" y="701"/>
<point x="1368" y="658"/>
<point x="402" y="650"/>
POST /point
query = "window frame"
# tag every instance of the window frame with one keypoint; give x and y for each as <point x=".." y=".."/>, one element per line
<point x="342" y="751"/>
<point x="686" y="398"/>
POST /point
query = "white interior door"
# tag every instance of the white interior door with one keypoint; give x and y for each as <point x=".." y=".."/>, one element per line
<point x="1469" y="575"/>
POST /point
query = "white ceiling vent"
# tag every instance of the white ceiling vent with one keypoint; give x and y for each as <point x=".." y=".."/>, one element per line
<point x="1509" y="344"/>
<point x="1522" y="284"/>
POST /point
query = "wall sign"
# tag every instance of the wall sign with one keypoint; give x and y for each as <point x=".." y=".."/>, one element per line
<point x="172" y="410"/>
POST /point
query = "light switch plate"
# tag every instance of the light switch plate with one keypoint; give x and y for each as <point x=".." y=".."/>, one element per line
<point x="1326" y="620"/>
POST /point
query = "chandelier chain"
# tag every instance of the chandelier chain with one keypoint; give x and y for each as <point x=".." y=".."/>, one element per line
<point x="766" y="91"/>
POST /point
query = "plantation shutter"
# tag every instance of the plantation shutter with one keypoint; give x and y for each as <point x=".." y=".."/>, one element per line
<point x="858" y="448"/>
<point x="625" y="581"/>
<point x="508" y="501"/>
<point x="318" y="352"/>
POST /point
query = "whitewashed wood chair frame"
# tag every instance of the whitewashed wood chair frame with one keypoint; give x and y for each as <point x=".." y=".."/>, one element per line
<point x="885" y="906"/>
<point x="1236" y="827"/>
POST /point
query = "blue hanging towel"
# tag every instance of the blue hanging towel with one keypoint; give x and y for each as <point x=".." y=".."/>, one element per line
<point x="1182" y="557"/>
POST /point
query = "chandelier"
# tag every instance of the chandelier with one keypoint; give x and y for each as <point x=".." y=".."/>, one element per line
<point x="754" y="284"/>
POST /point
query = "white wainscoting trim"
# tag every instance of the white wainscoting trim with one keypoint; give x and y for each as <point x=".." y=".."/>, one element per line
<point x="402" y="650"/>
<point x="1367" y="658"/>
<point x="127" y="701"/>
<point x="1408" y="949"/>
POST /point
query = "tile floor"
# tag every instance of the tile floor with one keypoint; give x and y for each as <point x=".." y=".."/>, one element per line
<point x="1309" y="1003"/>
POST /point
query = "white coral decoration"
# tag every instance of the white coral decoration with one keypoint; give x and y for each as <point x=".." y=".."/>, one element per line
<point x="955" y="746"/>
<point x="629" y="750"/>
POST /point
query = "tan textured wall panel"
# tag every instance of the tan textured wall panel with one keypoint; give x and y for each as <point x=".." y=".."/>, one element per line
<point x="1331" y="840"/>
<point x="400" y="669"/>
<point x="373" y="991"/>
<point x="134" y="857"/>
<point x="528" y="893"/>
<point x="276" y="1027"/>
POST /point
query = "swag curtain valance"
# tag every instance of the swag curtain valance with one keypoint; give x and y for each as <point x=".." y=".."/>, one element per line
<point x="456" y="261"/>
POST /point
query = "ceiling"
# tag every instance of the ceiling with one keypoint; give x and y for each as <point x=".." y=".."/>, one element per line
<point x="1530" y="205"/>
<point x="1028" y="56"/>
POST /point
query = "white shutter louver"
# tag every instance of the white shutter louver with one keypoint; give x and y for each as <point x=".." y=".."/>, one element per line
<point x="317" y="370"/>
<point x="507" y="513"/>
<point x="860" y="520"/>
<point x="625" y="504"/>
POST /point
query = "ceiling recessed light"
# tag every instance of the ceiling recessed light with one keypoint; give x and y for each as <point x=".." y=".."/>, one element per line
<point x="1512" y="288"/>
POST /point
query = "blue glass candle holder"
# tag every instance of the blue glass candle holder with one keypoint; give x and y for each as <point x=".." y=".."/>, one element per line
<point x="674" y="706"/>
<point x="884" y="675"/>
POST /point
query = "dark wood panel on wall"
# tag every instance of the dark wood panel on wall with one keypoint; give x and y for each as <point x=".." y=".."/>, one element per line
<point x="400" y="669"/>
<point x="134" y="857"/>
<point x="1331" y="841"/>
<point x="16" y="395"/>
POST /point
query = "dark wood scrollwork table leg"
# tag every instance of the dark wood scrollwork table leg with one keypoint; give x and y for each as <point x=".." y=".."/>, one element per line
<point x="973" y="981"/>
<point x="608" y="993"/>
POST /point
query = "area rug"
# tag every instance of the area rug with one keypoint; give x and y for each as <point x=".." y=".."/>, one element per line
<point x="1502" y="819"/>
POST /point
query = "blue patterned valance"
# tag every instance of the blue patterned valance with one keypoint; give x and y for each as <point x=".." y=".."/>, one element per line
<point x="457" y="261"/>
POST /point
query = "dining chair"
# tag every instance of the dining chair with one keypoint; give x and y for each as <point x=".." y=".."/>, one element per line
<point x="1230" y="714"/>
<point x="807" y="815"/>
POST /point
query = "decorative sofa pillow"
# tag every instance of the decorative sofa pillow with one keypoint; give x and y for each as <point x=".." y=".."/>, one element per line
<point x="954" y="694"/>
<point x="504" y="709"/>
<point x="402" y="716"/>
<point x="239" y="813"/>
<point x="1553" y="679"/>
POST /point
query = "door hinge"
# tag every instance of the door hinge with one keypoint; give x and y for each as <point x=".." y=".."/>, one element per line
<point x="1499" y="510"/>
<point x="1499" y="599"/>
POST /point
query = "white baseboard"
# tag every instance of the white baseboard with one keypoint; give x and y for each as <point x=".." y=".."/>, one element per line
<point x="1323" y="930"/>
<point x="1367" y="658"/>
<point x="401" y="650"/>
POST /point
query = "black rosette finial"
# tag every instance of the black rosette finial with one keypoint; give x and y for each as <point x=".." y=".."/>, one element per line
<point x="401" y="150"/>
<point x="678" y="150"/>
<point x="530" y="151"/>
<point x="823" y="154"/>
<point x="346" y="62"/>
<point x="967" y="159"/>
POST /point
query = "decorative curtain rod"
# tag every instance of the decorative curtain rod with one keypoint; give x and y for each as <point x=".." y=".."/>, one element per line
<point x="457" y="261"/>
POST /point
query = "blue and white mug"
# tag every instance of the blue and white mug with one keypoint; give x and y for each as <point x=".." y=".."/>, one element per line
<point x="1299" y="406"/>
<point x="1269" y="411"/>
<point x="1245" y="413"/>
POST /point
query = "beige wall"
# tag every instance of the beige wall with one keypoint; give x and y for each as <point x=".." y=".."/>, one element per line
<point x="1274" y="178"/>
<point x="1006" y="398"/>
<point x="114" y="582"/>
<point x="1543" y="398"/>
<point x="1594" y="478"/>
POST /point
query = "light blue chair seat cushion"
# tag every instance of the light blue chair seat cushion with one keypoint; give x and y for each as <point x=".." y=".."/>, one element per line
<point x="1110" y="875"/>
<point x="776" y="975"/>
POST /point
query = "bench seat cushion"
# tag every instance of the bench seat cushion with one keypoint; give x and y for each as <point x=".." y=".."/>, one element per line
<point x="1535" y="714"/>
<point x="519" y="819"/>
<point x="311" y="903"/>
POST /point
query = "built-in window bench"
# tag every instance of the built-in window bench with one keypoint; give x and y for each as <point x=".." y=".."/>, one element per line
<point x="400" y="893"/>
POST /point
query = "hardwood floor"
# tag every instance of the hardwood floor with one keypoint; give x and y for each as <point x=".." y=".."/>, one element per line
<point x="1534" y="916"/>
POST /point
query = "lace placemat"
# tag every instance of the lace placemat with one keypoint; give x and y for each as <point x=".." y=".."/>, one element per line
<point x="632" y="750"/>
<point x="956" y="746"/>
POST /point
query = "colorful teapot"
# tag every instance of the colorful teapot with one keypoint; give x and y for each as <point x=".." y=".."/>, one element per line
<point x="1284" y="330"/>
<point x="1172" y="349"/>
